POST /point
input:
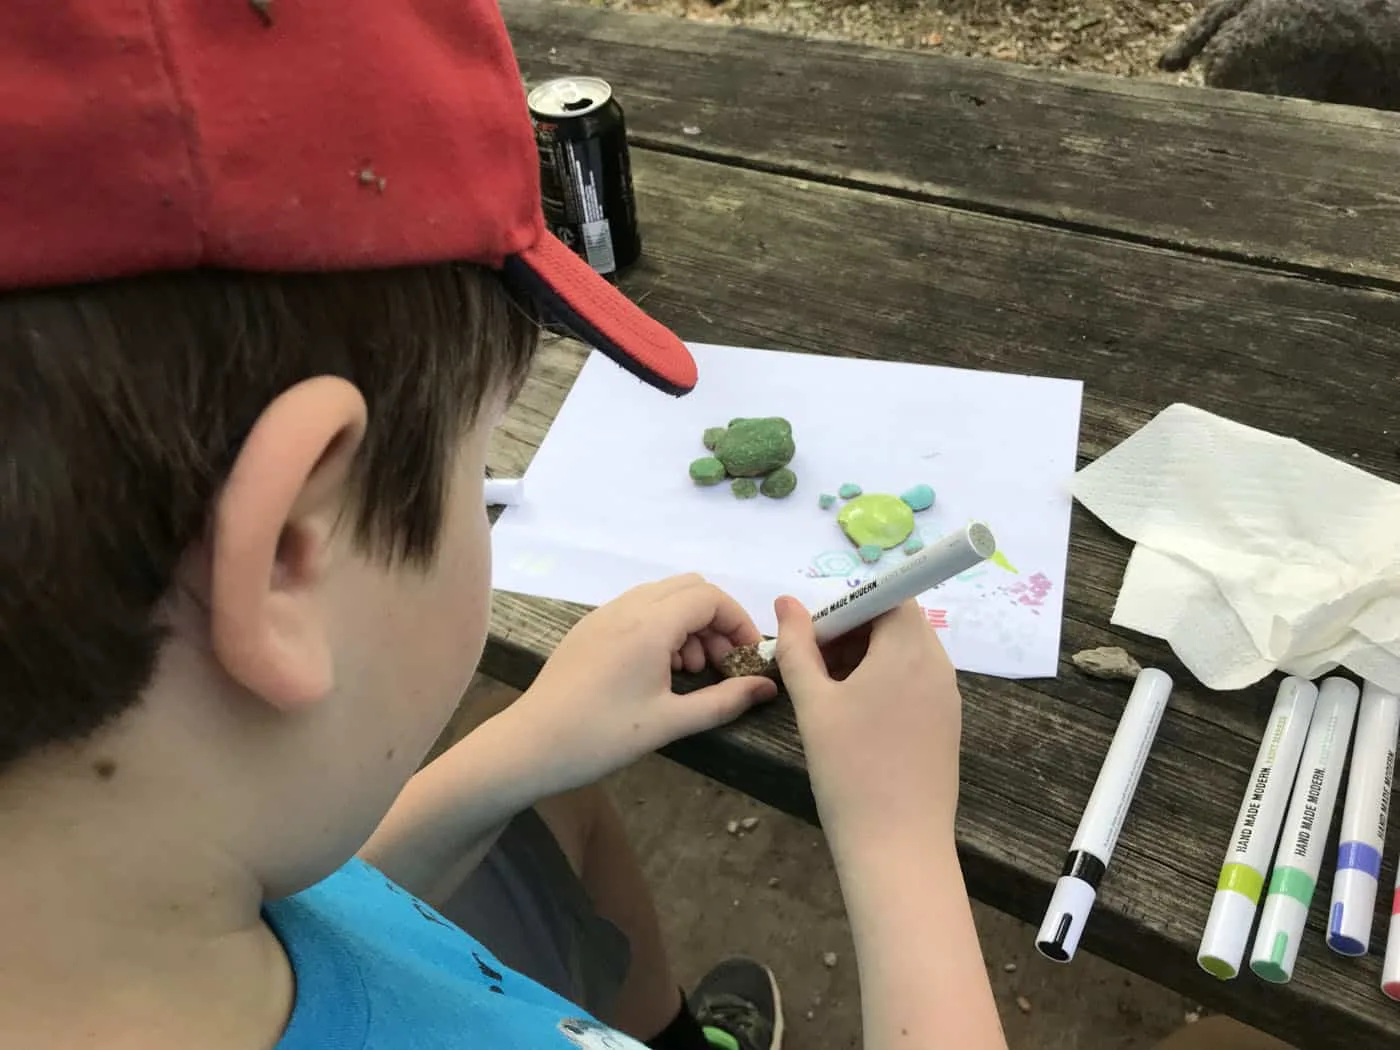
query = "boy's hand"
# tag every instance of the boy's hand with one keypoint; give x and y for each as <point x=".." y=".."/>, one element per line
<point x="604" y="698"/>
<point x="880" y="718"/>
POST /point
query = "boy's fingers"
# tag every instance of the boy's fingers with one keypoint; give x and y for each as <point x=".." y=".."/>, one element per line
<point x="799" y="659"/>
<point x="717" y="646"/>
<point x="693" y="654"/>
<point x="718" y="704"/>
<point x="903" y="624"/>
<point x="705" y="608"/>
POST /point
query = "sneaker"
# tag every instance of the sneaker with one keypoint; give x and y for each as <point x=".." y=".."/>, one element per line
<point x="738" y="1006"/>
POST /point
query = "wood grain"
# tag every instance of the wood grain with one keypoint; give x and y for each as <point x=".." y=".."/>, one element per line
<point x="1283" y="182"/>
<point x="754" y="259"/>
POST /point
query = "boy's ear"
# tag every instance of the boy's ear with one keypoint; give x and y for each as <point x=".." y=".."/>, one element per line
<point x="270" y="542"/>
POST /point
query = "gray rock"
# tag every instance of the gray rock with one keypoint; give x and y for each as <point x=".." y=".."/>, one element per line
<point x="1107" y="662"/>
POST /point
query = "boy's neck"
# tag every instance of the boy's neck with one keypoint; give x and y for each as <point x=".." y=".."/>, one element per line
<point x="124" y="927"/>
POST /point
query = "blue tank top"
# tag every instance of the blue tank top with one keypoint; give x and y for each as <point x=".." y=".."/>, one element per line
<point x="377" y="969"/>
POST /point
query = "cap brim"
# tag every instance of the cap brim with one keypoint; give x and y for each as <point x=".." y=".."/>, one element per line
<point x="575" y="296"/>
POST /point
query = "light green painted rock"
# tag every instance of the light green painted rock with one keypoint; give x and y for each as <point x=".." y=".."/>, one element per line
<point x="876" y="520"/>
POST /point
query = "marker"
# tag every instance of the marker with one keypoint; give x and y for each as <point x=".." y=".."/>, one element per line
<point x="926" y="568"/>
<point x="1390" y="972"/>
<point x="1362" y="839"/>
<point x="1092" y="847"/>
<point x="1260" y="819"/>
<point x="1305" y="832"/>
<point x="504" y="492"/>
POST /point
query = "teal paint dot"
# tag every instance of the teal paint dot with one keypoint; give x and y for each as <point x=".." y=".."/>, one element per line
<point x="826" y="501"/>
<point x="920" y="497"/>
<point x="870" y="553"/>
<point x="849" y="491"/>
<point x="913" y="543"/>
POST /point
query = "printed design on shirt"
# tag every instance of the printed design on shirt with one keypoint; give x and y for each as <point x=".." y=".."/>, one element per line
<point x="587" y="1034"/>
<point x="491" y="974"/>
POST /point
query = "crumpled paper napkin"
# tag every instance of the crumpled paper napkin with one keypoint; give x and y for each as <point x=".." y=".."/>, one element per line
<point x="1253" y="552"/>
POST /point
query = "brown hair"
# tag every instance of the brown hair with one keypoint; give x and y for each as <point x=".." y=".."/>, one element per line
<point x="123" y="406"/>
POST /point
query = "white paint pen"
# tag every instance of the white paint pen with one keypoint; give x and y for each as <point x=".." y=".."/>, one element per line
<point x="1305" y="833"/>
<point x="1094" y="841"/>
<point x="1260" y="820"/>
<point x="924" y="569"/>
<point x="1361" y="843"/>
<point x="504" y="492"/>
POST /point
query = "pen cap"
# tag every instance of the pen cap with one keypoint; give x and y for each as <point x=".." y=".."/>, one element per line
<point x="1227" y="934"/>
<point x="1276" y="943"/>
<point x="1065" y="918"/>
<point x="1353" y="907"/>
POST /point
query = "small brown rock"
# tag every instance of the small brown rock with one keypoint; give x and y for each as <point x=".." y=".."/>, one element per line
<point x="1107" y="661"/>
<point x="1010" y="967"/>
<point x="745" y="660"/>
<point x="749" y="823"/>
<point x="829" y="960"/>
<point x="773" y="881"/>
<point x="732" y="827"/>
<point x="1023" y="1004"/>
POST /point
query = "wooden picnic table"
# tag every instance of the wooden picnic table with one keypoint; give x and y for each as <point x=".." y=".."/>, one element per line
<point x="1163" y="244"/>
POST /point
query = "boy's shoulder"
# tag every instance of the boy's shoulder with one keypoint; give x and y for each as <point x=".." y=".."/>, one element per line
<point x="378" y="969"/>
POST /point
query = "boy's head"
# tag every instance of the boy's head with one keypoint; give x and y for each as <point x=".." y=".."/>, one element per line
<point x="270" y="273"/>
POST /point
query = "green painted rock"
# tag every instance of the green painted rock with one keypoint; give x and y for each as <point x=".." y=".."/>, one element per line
<point x="779" y="484"/>
<point x="876" y="520"/>
<point x="707" y="471"/>
<point x="744" y="488"/>
<point x="712" y="436"/>
<point x="750" y="448"/>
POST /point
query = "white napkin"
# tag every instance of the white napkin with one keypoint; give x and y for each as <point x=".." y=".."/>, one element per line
<point x="1254" y="552"/>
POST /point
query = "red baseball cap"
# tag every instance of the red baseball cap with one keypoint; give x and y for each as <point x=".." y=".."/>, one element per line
<point x="286" y="135"/>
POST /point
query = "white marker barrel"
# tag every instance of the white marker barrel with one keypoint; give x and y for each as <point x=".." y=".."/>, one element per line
<point x="1257" y="826"/>
<point x="1305" y="832"/>
<point x="1092" y="847"/>
<point x="1361" y="843"/>
<point x="918" y="572"/>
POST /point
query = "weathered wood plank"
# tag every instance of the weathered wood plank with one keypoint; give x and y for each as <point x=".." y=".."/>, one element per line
<point x="747" y="258"/>
<point x="1284" y="181"/>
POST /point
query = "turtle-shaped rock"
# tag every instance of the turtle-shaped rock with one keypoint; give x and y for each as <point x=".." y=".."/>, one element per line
<point x="753" y="454"/>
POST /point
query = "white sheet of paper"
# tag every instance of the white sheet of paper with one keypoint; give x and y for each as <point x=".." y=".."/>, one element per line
<point x="610" y="503"/>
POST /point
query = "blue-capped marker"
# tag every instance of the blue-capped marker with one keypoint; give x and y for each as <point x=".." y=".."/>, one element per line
<point x="1362" y="839"/>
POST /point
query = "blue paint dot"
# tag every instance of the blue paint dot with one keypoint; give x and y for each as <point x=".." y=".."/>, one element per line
<point x="849" y="490"/>
<point x="913" y="543"/>
<point x="826" y="500"/>
<point x="920" y="497"/>
<point x="870" y="553"/>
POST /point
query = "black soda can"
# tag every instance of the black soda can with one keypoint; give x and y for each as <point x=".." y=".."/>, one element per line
<point x="585" y="171"/>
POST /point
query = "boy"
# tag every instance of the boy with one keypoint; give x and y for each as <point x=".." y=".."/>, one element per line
<point x="270" y="273"/>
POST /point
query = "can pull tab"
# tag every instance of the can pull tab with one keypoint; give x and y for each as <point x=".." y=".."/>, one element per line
<point x="571" y="98"/>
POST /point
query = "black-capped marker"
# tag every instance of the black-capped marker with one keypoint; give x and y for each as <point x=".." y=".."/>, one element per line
<point x="1094" y="841"/>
